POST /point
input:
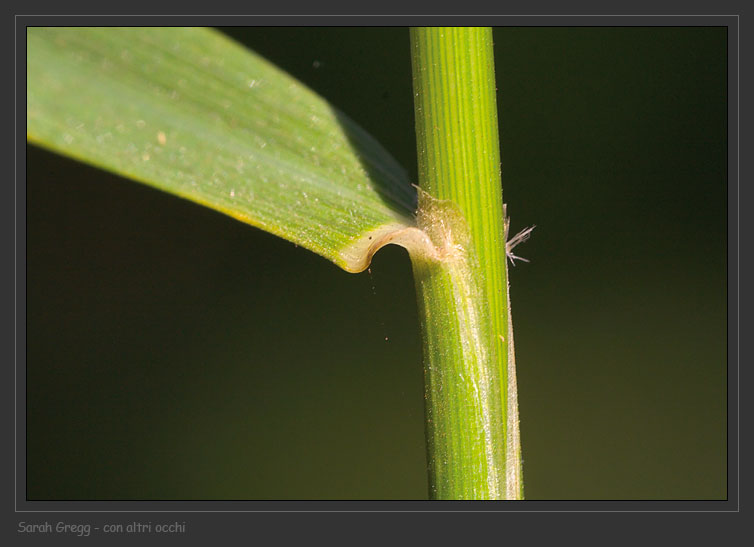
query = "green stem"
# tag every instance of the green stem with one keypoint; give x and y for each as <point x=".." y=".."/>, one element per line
<point x="471" y="411"/>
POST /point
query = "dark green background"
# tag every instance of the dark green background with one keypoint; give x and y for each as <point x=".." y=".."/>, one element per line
<point x="175" y="353"/>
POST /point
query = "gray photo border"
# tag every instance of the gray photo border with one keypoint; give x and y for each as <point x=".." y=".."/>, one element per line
<point x="100" y="512"/>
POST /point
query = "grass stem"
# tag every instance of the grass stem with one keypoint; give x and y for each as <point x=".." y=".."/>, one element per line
<point x="471" y="414"/>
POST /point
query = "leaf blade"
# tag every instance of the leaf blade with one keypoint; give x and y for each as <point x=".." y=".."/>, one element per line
<point x="192" y="113"/>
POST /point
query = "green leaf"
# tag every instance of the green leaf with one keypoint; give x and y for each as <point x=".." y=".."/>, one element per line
<point x="191" y="112"/>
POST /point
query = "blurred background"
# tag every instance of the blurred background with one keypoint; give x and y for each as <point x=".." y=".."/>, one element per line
<point x="174" y="353"/>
